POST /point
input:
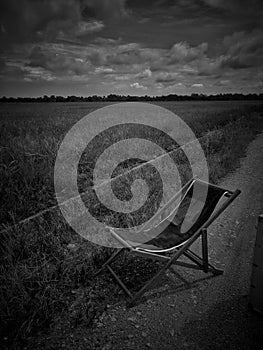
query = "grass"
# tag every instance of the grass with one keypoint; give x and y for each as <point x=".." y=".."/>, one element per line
<point x="46" y="268"/>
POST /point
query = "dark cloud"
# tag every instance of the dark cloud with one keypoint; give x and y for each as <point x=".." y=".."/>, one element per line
<point x="166" y="77"/>
<point x="25" y="20"/>
<point x="172" y="10"/>
<point x="32" y="20"/>
<point x="57" y="63"/>
<point x="229" y="12"/>
<point x="96" y="57"/>
<point x="237" y="6"/>
<point x="183" y="52"/>
<point x="161" y="45"/>
<point x="243" y="50"/>
<point x="243" y="42"/>
<point x="2" y="64"/>
<point x="239" y="13"/>
<point x="104" y="9"/>
<point x="131" y="54"/>
<point x="37" y="58"/>
<point x="234" y="62"/>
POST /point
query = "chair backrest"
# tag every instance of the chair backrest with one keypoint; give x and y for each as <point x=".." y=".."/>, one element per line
<point x="160" y="219"/>
<point x="185" y="223"/>
<point x="169" y="208"/>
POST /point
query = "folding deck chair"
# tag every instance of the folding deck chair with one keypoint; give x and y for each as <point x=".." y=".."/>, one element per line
<point x="173" y="242"/>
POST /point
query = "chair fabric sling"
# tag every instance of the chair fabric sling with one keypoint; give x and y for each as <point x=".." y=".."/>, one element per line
<point x="138" y="237"/>
<point x="175" y="241"/>
<point x="173" y="236"/>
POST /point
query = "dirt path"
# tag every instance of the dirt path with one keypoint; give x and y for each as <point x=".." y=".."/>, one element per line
<point x="207" y="313"/>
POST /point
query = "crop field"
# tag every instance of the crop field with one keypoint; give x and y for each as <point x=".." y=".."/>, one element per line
<point x="46" y="268"/>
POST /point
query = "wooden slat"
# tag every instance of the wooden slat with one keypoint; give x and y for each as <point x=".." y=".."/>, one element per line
<point x="126" y="290"/>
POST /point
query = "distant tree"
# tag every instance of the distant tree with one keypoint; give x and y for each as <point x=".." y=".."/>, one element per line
<point x="122" y="98"/>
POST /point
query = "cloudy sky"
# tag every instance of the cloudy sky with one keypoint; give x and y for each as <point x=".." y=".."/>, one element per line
<point x="154" y="47"/>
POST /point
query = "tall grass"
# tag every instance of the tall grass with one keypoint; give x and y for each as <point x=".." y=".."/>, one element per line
<point x="46" y="269"/>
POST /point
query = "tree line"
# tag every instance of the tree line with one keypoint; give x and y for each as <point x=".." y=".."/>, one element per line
<point x="127" y="98"/>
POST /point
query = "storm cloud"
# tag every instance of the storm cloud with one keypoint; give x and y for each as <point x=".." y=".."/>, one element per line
<point x="32" y="20"/>
<point x="132" y="46"/>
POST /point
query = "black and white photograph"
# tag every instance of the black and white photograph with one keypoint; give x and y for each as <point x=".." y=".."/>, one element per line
<point x="131" y="174"/>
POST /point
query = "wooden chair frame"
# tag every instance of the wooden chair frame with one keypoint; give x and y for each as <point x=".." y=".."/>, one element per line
<point x="197" y="262"/>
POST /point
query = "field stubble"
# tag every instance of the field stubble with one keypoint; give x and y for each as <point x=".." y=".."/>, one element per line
<point x="46" y="268"/>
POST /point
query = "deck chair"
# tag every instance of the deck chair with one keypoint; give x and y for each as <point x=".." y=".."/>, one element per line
<point x="173" y="243"/>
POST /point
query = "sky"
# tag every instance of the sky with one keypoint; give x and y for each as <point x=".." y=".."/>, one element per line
<point x="135" y="47"/>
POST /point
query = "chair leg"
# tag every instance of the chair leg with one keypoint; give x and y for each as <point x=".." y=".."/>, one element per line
<point x="111" y="259"/>
<point x="205" y="250"/>
<point x="155" y="277"/>
<point x="199" y="261"/>
<point x="145" y="287"/>
<point x="206" y="266"/>
<point x="215" y="271"/>
<point x="121" y="284"/>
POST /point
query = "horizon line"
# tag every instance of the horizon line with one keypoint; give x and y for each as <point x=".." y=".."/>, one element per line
<point x="112" y="95"/>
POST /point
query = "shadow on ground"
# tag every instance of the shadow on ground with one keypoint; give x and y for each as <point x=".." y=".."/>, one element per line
<point x="228" y="325"/>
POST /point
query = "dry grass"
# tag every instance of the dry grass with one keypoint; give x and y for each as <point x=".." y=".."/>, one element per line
<point x="46" y="269"/>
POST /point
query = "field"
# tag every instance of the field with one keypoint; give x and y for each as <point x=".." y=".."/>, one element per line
<point x="46" y="268"/>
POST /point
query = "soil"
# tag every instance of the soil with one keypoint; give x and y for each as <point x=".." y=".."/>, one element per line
<point x="206" y="312"/>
